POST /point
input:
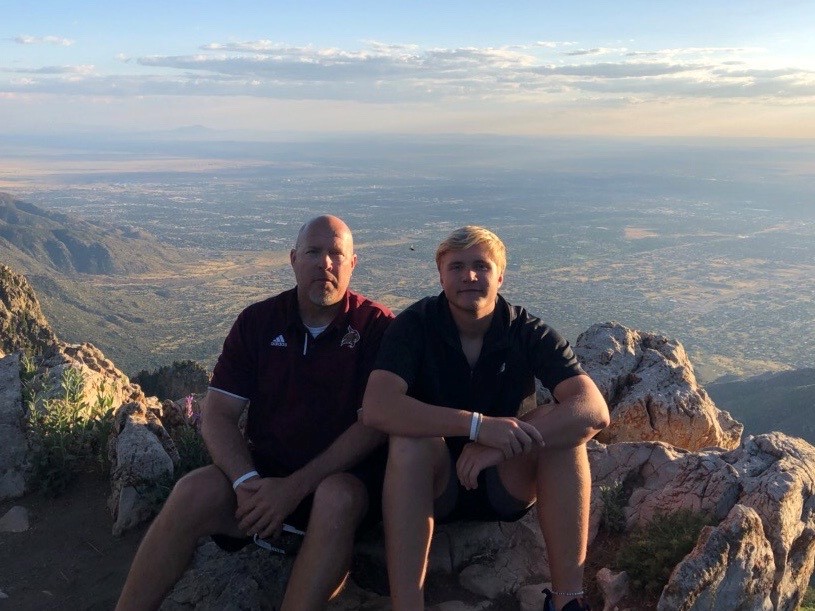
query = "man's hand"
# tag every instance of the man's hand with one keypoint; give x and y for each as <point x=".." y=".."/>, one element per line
<point x="509" y="435"/>
<point x="473" y="460"/>
<point x="264" y="503"/>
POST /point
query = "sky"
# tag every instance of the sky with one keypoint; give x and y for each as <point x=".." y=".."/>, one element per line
<point x="713" y="68"/>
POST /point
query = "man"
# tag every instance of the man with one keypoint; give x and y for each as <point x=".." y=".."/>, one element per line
<point x="450" y="379"/>
<point x="301" y="360"/>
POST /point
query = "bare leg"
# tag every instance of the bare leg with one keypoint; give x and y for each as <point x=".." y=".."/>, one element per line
<point x="418" y="471"/>
<point x="201" y="503"/>
<point x="322" y="563"/>
<point x="564" y="492"/>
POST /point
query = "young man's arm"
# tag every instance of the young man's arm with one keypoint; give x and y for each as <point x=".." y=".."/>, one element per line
<point x="387" y="407"/>
<point x="580" y="414"/>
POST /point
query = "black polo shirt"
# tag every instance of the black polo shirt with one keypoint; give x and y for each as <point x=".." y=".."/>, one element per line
<point x="422" y="347"/>
<point x="303" y="391"/>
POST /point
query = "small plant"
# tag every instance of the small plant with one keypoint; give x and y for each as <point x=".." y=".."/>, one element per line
<point x="65" y="433"/>
<point x="658" y="547"/>
<point x="614" y="498"/>
<point x="808" y="602"/>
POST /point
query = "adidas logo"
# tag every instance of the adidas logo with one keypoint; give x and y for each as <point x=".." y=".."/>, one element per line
<point x="279" y="342"/>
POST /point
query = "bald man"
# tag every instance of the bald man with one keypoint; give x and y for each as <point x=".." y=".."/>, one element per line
<point x="300" y="360"/>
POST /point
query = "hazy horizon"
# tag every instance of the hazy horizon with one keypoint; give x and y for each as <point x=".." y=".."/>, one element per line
<point x="711" y="243"/>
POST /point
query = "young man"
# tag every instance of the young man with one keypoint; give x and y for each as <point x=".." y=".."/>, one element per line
<point x="449" y="383"/>
<point x="301" y="360"/>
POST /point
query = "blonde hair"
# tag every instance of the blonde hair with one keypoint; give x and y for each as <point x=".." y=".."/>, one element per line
<point x="465" y="237"/>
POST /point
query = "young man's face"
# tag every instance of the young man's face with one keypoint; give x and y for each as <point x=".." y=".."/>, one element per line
<point x="470" y="279"/>
<point x="323" y="261"/>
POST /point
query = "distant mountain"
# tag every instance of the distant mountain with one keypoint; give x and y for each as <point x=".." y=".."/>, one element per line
<point x="32" y="238"/>
<point x="783" y="401"/>
<point x="84" y="275"/>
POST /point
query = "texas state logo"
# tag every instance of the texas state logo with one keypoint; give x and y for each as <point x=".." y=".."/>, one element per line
<point x="351" y="338"/>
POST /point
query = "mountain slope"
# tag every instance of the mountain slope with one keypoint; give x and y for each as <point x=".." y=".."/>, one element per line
<point x="35" y="237"/>
<point x="783" y="401"/>
<point x="142" y="302"/>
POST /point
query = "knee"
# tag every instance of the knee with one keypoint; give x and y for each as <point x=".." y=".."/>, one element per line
<point x="415" y="452"/>
<point x="340" y="499"/>
<point x="198" y="495"/>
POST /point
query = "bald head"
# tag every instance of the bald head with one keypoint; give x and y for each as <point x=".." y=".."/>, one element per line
<point x="326" y="223"/>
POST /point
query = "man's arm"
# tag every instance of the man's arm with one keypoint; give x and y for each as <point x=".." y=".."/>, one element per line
<point x="387" y="407"/>
<point x="222" y="435"/>
<point x="272" y="499"/>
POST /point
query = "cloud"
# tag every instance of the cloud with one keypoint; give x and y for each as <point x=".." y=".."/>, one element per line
<point x="87" y="69"/>
<point x="40" y="40"/>
<point x="402" y="73"/>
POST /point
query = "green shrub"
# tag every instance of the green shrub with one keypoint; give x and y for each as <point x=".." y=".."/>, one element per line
<point x="614" y="498"/>
<point x="66" y="434"/>
<point x="808" y="603"/>
<point x="655" y="549"/>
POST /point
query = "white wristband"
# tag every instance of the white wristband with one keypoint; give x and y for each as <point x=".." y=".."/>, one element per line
<point x="476" y="418"/>
<point x="243" y="478"/>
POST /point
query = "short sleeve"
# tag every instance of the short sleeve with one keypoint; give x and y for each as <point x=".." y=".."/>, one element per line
<point x="235" y="370"/>
<point x="551" y="355"/>
<point x="402" y="346"/>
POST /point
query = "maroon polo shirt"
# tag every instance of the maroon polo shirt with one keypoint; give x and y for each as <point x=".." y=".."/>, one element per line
<point x="303" y="391"/>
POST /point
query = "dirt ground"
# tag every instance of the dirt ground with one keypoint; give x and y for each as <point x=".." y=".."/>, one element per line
<point x="68" y="559"/>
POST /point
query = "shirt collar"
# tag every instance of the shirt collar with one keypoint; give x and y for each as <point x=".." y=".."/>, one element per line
<point x="293" y="313"/>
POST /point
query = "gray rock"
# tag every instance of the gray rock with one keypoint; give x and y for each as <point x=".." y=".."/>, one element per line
<point x="140" y="460"/>
<point x="773" y="475"/>
<point x="651" y="390"/>
<point x="732" y="565"/>
<point x="614" y="586"/>
<point x="14" y="447"/>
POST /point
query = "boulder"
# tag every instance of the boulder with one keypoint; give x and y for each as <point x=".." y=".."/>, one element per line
<point x="732" y="564"/>
<point x="651" y="390"/>
<point x="772" y="475"/>
<point x="14" y="445"/>
<point x="143" y="458"/>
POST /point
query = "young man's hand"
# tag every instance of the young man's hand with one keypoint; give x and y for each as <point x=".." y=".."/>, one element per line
<point x="509" y="435"/>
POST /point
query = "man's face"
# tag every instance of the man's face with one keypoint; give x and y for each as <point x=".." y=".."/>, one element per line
<point x="323" y="261"/>
<point x="470" y="279"/>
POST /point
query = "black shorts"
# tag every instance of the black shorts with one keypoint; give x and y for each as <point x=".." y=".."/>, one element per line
<point x="489" y="502"/>
<point x="371" y="472"/>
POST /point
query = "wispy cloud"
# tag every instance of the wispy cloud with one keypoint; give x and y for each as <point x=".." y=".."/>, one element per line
<point x="43" y="40"/>
<point x="398" y="73"/>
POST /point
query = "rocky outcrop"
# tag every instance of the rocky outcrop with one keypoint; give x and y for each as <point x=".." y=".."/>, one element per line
<point x="771" y="477"/>
<point x="102" y="380"/>
<point x="731" y="565"/>
<point x="142" y="455"/>
<point x="651" y="390"/>
<point x="22" y="324"/>
<point x="14" y="445"/>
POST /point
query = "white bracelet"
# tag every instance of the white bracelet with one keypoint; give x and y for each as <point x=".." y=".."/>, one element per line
<point x="474" y="422"/>
<point x="243" y="478"/>
<point x="478" y="426"/>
